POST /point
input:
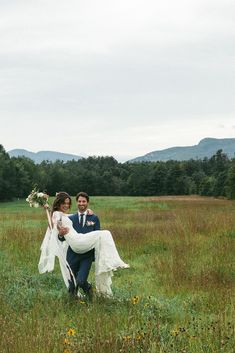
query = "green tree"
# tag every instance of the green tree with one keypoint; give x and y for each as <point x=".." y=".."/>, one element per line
<point x="7" y="177"/>
<point x="230" y="183"/>
<point x="207" y="186"/>
<point x="25" y="172"/>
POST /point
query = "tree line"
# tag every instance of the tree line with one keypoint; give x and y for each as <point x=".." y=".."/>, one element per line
<point x="213" y="176"/>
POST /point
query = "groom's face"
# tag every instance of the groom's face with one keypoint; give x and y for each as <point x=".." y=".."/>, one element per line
<point x="82" y="204"/>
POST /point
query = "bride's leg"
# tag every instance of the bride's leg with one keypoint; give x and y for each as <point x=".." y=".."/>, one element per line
<point x="108" y="256"/>
<point x="81" y="243"/>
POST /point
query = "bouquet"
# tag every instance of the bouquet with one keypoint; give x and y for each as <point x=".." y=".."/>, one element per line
<point x="36" y="198"/>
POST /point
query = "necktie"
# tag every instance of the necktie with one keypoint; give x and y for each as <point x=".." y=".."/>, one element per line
<point x="81" y="219"/>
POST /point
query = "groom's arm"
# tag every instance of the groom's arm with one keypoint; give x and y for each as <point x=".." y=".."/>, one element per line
<point x="97" y="224"/>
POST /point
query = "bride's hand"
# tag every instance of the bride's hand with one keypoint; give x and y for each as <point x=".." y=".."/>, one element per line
<point x="89" y="212"/>
<point x="63" y="230"/>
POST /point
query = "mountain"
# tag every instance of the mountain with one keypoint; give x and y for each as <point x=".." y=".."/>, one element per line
<point x="206" y="148"/>
<point x="43" y="155"/>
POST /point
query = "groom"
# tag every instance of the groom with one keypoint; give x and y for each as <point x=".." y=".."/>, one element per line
<point x="80" y="264"/>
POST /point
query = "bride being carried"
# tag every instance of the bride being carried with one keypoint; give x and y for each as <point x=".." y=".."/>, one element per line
<point x="77" y="241"/>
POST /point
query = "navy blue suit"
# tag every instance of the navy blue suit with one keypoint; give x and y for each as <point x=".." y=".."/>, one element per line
<point x="80" y="264"/>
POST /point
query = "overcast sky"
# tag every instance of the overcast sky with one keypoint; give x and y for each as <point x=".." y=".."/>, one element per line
<point x="119" y="78"/>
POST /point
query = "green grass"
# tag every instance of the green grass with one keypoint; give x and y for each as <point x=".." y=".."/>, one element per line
<point x="178" y="295"/>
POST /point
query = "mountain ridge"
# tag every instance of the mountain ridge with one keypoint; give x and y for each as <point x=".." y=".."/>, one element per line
<point x="40" y="156"/>
<point x="206" y="147"/>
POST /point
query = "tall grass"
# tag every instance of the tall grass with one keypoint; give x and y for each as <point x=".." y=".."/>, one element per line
<point x="178" y="295"/>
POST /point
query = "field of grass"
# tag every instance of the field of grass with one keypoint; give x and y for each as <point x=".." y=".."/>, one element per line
<point x="178" y="295"/>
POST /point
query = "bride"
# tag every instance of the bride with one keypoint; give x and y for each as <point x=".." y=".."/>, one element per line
<point x="107" y="258"/>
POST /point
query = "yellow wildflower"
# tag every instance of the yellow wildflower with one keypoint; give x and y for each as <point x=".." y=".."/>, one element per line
<point x="126" y="338"/>
<point x="175" y="332"/>
<point x="66" y="341"/>
<point x="82" y="302"/>
<point x="67" y="351"/>
<point x="135" y="300"/>
<point x="71" y="332"/>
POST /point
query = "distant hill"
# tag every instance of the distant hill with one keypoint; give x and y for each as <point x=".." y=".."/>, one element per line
<point x="43" y="155"/>
<point x="206" y="148"/>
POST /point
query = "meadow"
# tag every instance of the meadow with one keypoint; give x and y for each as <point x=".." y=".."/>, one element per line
<point x="178" y="296"/>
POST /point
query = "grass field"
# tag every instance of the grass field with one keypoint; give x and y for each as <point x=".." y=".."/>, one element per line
<point x="178" y="295"/>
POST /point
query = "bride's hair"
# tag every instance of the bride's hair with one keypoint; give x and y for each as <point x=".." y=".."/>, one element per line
<point x="60" y="198"/>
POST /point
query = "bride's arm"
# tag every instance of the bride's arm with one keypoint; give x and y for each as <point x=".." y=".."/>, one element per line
<point x="64" y="227"/>
<point x="57" y="216"/>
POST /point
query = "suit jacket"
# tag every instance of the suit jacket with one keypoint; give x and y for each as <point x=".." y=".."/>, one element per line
<point x="92" y="223"/>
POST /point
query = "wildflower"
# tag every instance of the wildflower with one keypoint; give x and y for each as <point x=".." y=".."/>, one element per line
<point x="67" y="350"/>
<point x="71" y="332"/>
<point x="66" y="341"/>
<point x="175" y="332"/>
<point x="126" y="338"/>
<point x="135" y="300"/>
<point x="192" y="337"/>
<point x="82" y="302"/>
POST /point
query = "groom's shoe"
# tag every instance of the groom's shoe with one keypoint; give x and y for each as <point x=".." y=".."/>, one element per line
<point x="90" y="292"/>
<point x="78" y="293"/>
<point x="87" y="289"/>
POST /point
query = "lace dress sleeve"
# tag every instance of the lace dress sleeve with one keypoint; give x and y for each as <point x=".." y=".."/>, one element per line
<point x="56" y="217"/>
<point x="66" y="222"/>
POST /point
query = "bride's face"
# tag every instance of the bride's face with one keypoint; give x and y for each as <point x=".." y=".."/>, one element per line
<point x="65" y="206"/>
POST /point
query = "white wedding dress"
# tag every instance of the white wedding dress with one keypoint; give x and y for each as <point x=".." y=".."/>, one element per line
<point x="107" y="258"/>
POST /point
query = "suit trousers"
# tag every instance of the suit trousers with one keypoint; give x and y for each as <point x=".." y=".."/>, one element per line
<point x="80" y="265"/>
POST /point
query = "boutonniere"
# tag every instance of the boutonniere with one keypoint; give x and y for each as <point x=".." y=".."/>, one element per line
<point x="90" y="223"/>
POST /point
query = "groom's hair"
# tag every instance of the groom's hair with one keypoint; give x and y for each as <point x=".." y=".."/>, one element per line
<point x="83" y="194"/>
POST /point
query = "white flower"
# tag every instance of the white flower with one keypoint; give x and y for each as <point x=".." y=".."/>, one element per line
<point x="36" y="205"/>
<point x="90" y="223"/>
<point x="40" y="194"/>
